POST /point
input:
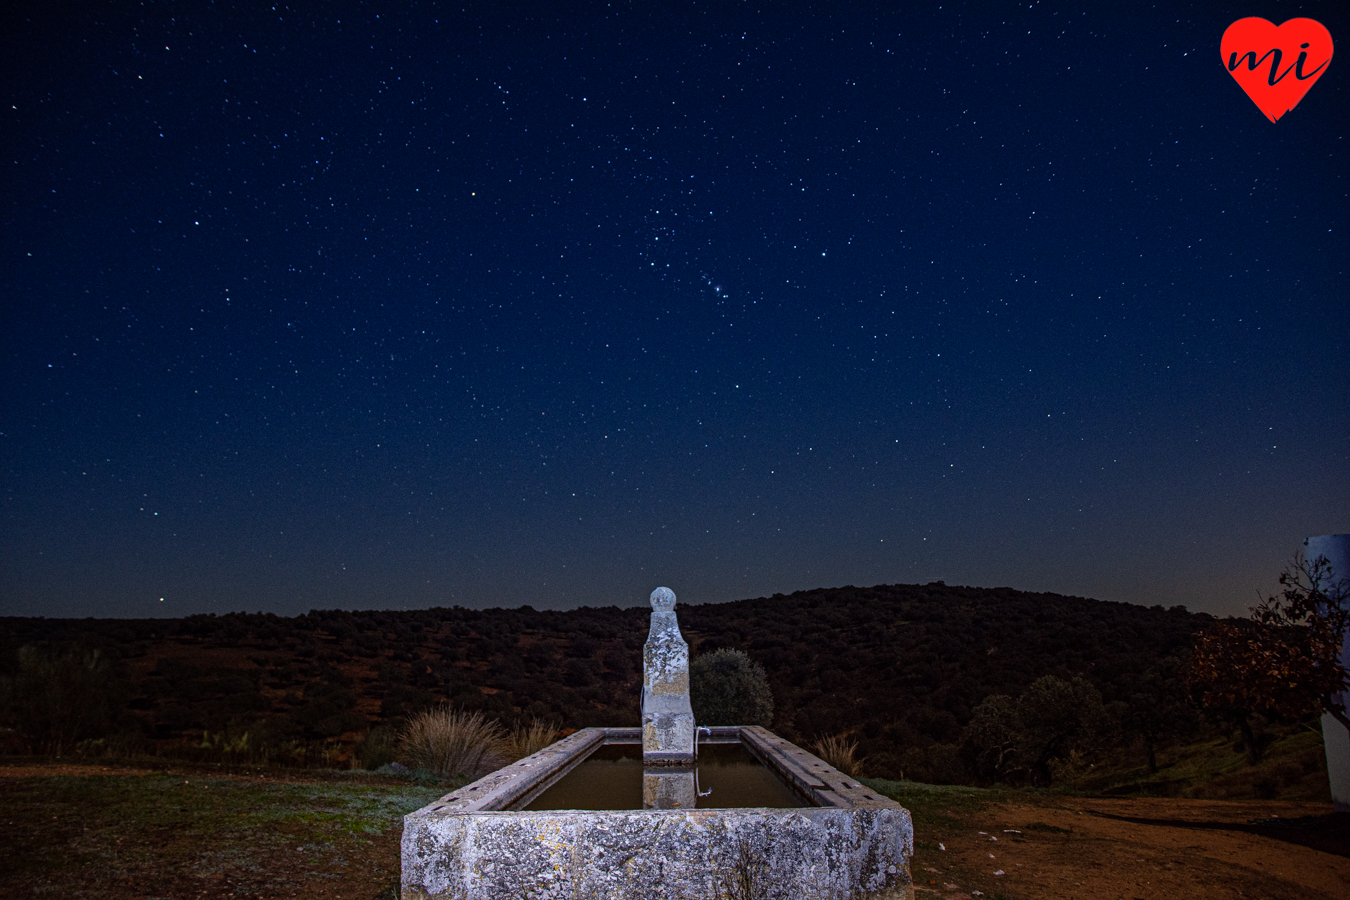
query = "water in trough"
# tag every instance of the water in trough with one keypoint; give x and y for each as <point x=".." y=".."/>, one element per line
<point x="728" y="776"/>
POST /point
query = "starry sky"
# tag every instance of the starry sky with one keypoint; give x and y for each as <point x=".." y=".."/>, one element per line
<point x="390" y="305"/>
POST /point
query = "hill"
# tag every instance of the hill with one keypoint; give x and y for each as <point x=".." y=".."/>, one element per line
<point x="899" y="666"/>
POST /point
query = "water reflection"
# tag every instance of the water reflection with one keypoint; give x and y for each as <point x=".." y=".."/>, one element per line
<point x="613" y="777"/>
<point x="668" y="787"/>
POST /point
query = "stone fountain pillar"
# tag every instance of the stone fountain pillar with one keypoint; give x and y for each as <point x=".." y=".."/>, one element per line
<point x="667" y="717"/>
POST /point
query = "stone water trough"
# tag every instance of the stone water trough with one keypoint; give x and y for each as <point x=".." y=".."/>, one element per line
<point x="668" y="810"/>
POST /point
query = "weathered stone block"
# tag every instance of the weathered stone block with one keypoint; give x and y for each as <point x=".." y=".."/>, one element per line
<point x="790" y="854"/>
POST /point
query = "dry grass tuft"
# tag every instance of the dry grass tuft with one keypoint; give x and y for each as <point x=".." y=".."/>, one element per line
<point x="525" y="740"/>
<point x="451" y="743"/>
<point x="840" y="752"/>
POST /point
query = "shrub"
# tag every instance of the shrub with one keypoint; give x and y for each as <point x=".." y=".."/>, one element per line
<point x="450" y="743"/>
<point x="726" y="687"/>
<point x="376" y="748"/>
<point x="61" y="696"/>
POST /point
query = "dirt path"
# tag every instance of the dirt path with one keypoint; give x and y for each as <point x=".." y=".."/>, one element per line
<point x="1096" y="849"/>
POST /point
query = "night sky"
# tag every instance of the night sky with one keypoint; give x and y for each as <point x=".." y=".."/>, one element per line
<point x="394" y="306"/>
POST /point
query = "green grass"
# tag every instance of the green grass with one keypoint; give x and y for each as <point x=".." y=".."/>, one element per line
<point x="1293" y="768"/>
<point x="935" y="804"/>
<point x="166" y="835"/>
<point x="938" y="811"/>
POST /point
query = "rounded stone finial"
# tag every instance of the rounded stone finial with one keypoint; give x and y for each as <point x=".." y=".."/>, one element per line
<point x="663" y="600"/>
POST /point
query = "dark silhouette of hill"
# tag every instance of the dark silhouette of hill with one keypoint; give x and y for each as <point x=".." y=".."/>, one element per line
<point x="899" y="666"/>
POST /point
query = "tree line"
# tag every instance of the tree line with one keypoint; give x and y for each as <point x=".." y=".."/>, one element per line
<point x="931" y="682"/>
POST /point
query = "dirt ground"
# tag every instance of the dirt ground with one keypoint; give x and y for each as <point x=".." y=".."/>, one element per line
<point x="1019" y="847"/>
<point x="1101" y="849"/>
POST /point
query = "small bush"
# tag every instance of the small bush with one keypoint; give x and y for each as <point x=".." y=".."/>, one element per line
<point x="840" y="752"/>
<point x="726" y="687"/>
<point x="376" y="748"/>
<point x="450" y="743"/>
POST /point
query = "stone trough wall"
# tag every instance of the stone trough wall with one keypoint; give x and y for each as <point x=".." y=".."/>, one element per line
<point x="473" y="844"/>
<point x="791" y="854"/>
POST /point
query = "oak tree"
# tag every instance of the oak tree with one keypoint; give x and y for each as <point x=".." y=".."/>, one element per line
<point x="1285" y="660"/>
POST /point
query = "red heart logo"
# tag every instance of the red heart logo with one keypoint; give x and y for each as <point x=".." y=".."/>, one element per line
<point x="1276" y="66"/>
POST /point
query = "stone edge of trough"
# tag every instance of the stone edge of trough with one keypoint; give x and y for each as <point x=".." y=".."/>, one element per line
<point x="513" y="786"/>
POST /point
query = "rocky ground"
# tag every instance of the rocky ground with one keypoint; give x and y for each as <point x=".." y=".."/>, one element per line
<point x="76" y="831"/>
